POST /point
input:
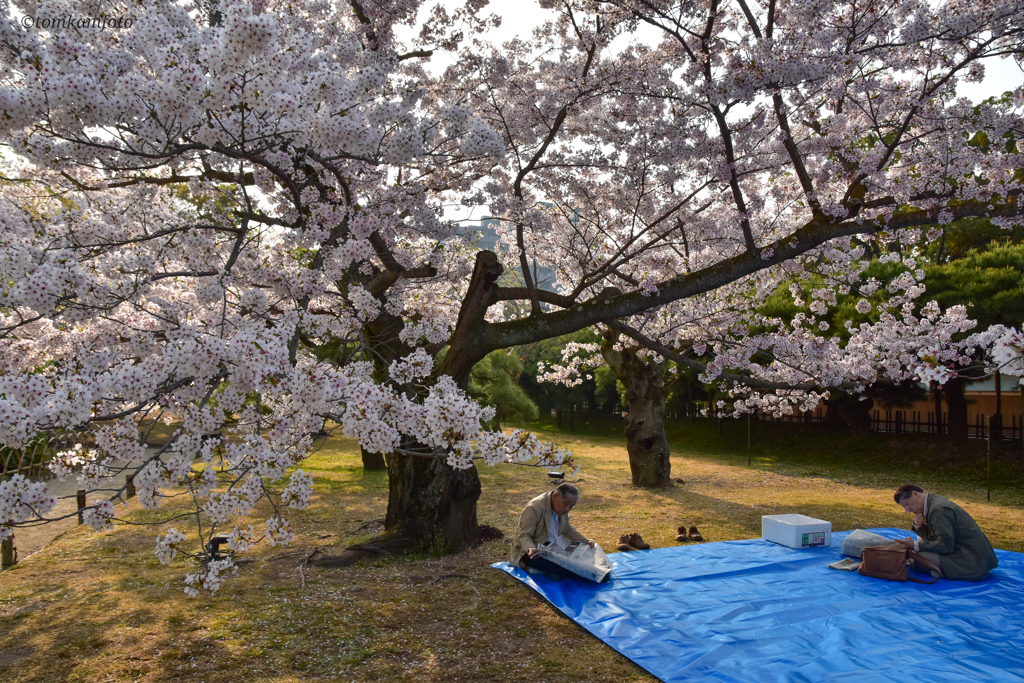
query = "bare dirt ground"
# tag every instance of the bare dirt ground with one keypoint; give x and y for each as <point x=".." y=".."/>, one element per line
<point x="99" y="607"/>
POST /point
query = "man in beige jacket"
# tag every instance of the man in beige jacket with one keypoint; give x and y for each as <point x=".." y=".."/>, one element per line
<point x="544" y="519"/>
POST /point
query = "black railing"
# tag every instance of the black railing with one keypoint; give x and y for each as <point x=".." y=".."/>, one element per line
<point x="1009" y="428"/>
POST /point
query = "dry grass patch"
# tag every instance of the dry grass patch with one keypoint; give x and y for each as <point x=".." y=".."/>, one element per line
<point x="99" y="607"/>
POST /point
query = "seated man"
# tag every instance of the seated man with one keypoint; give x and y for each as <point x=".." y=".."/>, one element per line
<point x="544" y="519"/>
<point x="949" y="537"/>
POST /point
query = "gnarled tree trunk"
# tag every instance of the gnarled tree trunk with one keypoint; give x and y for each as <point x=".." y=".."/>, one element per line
<point x="646" y="443"/>
<point x="431" y="505"/>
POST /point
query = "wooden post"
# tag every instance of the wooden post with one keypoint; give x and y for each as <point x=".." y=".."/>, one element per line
<point x="988" y="462"/>
<point x="129" y="483"/>
<point x="8" y="553"/>
<point x="81" y="505"/>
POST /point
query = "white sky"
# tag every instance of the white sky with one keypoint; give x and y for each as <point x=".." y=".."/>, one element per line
<point x="520" y="17"/>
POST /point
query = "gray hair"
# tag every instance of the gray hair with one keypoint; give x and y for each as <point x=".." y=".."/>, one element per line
<point x="567" y="490"/>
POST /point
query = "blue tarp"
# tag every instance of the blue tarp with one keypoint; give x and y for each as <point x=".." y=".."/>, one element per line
<point x="756" y="611"/>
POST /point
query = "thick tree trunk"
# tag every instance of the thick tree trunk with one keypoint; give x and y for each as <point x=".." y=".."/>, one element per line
<point x="956" y="403"/>
<point x="833" y="420"/>
<point x="646" y="443"/>
<point x="373" y="461"/>
<point x="431" y="505"/>
<point x="857" y="413"/>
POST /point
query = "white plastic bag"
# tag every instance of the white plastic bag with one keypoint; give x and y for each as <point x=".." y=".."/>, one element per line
<point x="854" y="544"/>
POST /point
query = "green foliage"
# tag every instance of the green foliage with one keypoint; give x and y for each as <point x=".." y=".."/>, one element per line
<point x="989" y="282"/>
<point x="550" y="396"/>
<point x="493" y="381"/>
<point x="968" y="235"/>
<point x="608" y="389"/>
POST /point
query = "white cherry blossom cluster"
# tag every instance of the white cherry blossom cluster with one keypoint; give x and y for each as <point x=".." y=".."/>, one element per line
<point x="240" y="540"/>
<point x="100" y="516"/>
<point x="208" y="577"/>
<point x="417" y="365"/>
<point x="277" y="532"/>
<point x="577" y="359"/>
<point x="167" y="545"/>
<point x="65" y="463"/>
<point x="299" y="490"/>
<point x="20" y="500"/>
<point x="1008" y="353"/>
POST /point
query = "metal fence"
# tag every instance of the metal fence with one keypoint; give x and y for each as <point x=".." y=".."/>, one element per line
<point x="911" y="422"/>
<point x="1008" y="428"/>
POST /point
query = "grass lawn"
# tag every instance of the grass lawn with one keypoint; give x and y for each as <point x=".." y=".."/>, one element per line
<point x="99" y="607"/>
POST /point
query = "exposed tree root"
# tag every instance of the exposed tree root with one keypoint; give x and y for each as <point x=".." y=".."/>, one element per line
<point x="385" y="546"/>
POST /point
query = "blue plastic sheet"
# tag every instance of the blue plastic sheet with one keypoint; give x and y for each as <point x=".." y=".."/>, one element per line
<point x="756" y="611"/>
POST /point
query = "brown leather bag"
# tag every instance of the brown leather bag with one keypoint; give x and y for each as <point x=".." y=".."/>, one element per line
<point x="889" y="562"/>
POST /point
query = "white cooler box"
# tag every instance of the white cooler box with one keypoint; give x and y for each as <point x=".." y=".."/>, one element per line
<point x="796" y="531"/>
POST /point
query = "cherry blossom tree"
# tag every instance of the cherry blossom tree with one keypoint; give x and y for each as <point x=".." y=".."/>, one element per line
<point x="232" y="216"/>
<point x="773" y="144"/>
<point x="219" y="216"/>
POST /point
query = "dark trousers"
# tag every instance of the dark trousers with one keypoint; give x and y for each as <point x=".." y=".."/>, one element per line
<point x="548" y="567"/>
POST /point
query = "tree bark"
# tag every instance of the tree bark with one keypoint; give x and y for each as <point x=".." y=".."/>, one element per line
<point x="373" y="462"/>
<point x="646" y="443"/>
<point x="937" y="396"/>
<point x="833" y="420"/>
<point x="431" y="505"/>
<point x="857" y="413"/>
<point x="956" y="402"/>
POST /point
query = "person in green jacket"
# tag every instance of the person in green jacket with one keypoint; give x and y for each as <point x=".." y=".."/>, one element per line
<point x="947" y="535"/>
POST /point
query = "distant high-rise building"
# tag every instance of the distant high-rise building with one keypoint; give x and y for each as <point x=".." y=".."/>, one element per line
<point x="484" y="235"/>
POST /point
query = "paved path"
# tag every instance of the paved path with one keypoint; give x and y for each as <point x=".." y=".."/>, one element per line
<point x="29" y="540"/>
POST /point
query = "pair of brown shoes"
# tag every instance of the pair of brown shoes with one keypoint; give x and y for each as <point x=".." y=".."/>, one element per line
<point x="690" y="534"/>
<point x="632" y="542"/>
